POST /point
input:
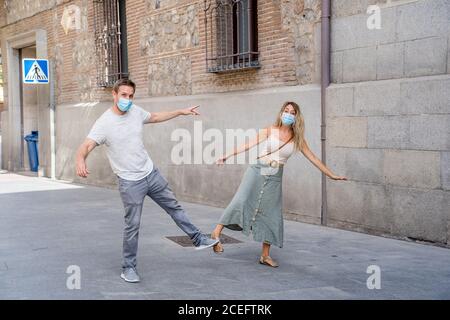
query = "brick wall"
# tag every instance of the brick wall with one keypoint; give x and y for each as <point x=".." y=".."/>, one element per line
<point x="74" y="54"/>
<point x="276" y="45"/>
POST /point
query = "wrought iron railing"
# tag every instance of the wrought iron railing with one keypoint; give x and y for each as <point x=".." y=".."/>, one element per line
<point x="231" y="34"/>
<point x="108" y="42"/>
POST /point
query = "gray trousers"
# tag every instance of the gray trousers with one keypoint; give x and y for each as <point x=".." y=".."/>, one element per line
<point x="133" y="194"/>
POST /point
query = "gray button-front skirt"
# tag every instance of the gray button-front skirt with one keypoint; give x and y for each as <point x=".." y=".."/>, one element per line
<point x="257" y="205"/>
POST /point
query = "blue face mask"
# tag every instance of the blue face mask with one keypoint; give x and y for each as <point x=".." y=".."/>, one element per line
<point x="287" y="119"/>
<point x="124" y="104"/>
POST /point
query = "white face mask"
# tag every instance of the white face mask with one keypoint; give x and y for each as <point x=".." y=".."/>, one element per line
<point x="124" y="104"/>
<point x="287" y="119"/>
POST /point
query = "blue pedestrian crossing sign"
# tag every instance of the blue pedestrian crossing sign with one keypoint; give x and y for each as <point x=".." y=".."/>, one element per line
<point x="35" y="71"/>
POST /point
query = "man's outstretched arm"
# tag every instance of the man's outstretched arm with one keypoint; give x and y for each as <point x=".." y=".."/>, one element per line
<point x="167" y="115"/>
<point x="83" y="151"/>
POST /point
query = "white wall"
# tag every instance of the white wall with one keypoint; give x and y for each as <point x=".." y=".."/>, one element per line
<point x="203" y="183"/>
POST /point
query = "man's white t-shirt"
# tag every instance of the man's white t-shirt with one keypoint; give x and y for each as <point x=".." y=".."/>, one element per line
<point x="122" y="135"/>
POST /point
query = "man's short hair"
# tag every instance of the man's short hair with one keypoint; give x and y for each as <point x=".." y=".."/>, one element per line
<point x="124" y="82"/>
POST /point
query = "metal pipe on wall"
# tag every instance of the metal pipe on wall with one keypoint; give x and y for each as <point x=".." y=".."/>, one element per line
<point x="325" y="81"/>
<point x="52" y="105"/>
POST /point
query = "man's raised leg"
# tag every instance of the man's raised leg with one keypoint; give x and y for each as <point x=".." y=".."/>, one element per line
<point x="161" y="193"/>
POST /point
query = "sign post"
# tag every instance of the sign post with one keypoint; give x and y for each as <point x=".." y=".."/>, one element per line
<point x="37" y="71"/>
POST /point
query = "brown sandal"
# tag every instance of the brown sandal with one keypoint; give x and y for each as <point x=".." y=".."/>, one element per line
<point x="268" y="261"/>
<point x="218" y="248"/>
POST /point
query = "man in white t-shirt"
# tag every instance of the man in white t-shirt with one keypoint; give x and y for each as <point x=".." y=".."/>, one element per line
<point x="120" y="130"/>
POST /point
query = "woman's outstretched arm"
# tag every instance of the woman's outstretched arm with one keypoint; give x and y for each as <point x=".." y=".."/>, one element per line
<point x="262" y="135"/>
<point x="319" y="164"/>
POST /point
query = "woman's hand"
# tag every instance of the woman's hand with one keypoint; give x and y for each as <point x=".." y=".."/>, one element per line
<point x="334" y="177"/>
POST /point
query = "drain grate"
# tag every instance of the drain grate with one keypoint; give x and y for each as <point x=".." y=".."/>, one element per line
<point x="185" y="241"/>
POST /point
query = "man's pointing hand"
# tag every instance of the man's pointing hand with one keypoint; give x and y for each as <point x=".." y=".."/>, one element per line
<point x="190" y="111"/>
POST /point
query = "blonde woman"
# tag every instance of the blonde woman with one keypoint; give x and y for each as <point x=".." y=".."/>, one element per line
<point x="256" y="207"/>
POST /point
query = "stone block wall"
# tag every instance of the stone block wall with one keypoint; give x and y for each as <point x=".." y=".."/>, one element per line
<point x="388" y="120"/>
<point x="412" y="40"/>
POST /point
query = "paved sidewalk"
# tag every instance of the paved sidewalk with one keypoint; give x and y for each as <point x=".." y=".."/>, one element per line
<point x="47" y="226"/>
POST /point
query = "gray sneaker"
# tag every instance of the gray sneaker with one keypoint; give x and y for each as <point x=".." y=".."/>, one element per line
<point x="130" y="275"/>
<point x="206" y="242"/>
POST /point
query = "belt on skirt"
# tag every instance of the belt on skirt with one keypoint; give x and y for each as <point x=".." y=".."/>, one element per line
<point x="271" y="163"/>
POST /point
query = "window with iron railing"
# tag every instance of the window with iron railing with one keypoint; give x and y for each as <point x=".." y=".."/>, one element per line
<point x="110" y="41"/>
<point x="231" y="35"/>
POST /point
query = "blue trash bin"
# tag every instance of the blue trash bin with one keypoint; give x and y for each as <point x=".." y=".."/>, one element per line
<point x="32" y="141"/>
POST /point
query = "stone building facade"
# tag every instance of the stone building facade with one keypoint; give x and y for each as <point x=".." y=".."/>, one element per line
<point x="387" y="109"/>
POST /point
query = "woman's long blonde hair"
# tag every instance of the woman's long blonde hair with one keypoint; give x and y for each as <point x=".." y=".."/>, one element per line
<point x="298" y="127"/>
